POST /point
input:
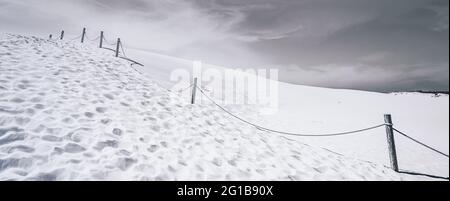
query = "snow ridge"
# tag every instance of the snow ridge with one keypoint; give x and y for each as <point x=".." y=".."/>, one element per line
<point x="71" y="111"/>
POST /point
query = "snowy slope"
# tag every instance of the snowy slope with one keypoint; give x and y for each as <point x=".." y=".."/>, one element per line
<point x="322" y="110"/>
<point x="73" y="112"/>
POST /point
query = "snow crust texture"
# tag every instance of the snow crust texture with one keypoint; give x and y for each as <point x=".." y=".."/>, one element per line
<point x="72" y="111"/>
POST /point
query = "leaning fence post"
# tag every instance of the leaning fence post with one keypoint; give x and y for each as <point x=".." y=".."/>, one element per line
<point x="83" y="34"/>
<point x="391" y="142"/>
<point x="117" y="47"/>
<point x="101" y="39"/>
<point x="194" y="90"/>
<point x="62" y="35"/>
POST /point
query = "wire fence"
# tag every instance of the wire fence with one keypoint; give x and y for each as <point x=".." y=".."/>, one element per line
<point x="420" y="143"/>
<point x="288" y="133"/>
<point x="185" y="89"/>
<point x="120" y="50"/>
<point x="76" y="38"/>
<point x="318" y="135"/>
<point x="107" y="41"/>
<point x="353" y="132"/>
<point x="92" y="40"/>
<point x="127" y="58"/>
<point x="121" y="47"/>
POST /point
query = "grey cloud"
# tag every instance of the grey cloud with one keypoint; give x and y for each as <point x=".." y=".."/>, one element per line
<point x="403" y="40"/>
<point x="332" y="43"/>
<point x="317" y="17"/>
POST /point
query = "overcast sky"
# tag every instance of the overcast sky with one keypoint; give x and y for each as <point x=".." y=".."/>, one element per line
<point x="381" y="45"/>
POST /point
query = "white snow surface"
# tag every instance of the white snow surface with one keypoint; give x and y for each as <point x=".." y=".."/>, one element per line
<point x="71" y="111"/>
<point x="315" y="110"/>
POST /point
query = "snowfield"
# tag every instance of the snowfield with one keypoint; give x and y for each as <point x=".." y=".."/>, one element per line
<point x="315" y="110"/>
<point x="71" y="111"/>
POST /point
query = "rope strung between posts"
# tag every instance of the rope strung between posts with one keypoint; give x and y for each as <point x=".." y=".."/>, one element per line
<point x="422" y="174"/>
<point x="132" y="61"/>
<point x="131" y="66"/>
<point x="106" y="48"/>
<point x="126" y="58"/>
<point x="95" y="39"/>
<point x="107" y="42"/>
<point x="183" y="90"/>
<point x="421" y="143"/>
<point x="123" y="51"/>
<point x="288" y="133"/>
<point x="78" y="37"/>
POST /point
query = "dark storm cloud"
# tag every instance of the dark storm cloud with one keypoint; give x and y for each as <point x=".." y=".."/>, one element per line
<point x="395" y="39"/>
<point x="378" y="45"/>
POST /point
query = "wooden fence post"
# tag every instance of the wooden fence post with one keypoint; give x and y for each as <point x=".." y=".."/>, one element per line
<point x="117" y="47"/>
<point x="391" y="142"/>
<point x="101" y="39"/>
<point x="62" y="35"/>
<point x="83" y="35"/>
<point x="194" y="90"/>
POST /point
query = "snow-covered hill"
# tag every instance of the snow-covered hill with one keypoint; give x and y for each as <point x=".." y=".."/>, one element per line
<point x="72" y="111"/>
<point x="307" y="109"/>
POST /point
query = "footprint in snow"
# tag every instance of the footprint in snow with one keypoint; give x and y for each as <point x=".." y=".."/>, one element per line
<point x="125" y="163"/>
<point x="153" y="148"/>
<point x="109" y="96"/>
<point x="73" y="148"/>
<point x="117" y="131"/>
<point x="100" y="109"/>
<point x="89" y="114"/>
<point x="51" y="138"/>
